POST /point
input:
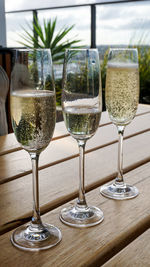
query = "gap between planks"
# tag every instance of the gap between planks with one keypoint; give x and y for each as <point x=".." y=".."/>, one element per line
<point x="69" y="197"/>
<point x="5" y="180"/>
<point x="129" y="229"/>
<point x="17" y="148"/>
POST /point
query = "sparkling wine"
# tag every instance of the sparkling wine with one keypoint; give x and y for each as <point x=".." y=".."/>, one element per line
<point x="122" y="92"/>
<point x="81" y="121"/>
<point x="33" y="115"/>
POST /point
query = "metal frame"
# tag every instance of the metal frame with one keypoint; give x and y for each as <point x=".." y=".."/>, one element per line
<point x="93" y="26"/>
<point x="102" y="2"/>
<point x="93" y="13"/>
<point x="35" y="18"/>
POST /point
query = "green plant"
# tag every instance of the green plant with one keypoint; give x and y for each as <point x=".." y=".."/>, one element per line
<point x="103" y="68"/>
<point x="47" y="37"/>
<point x="103" y="76"/>
<point x="144" y="70"/>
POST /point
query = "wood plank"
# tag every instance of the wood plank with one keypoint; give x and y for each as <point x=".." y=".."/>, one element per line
<point x="124" y="221"/>
<point x="61" y="150"/>
<point x="9" y="144"/>
<point x="59" y="183"/>
<point x="1" y="61"/>
<point x="135" y="254"/>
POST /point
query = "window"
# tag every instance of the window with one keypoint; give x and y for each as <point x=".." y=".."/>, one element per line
<point x="14" y="24"/>
<point x="123" y="24"/>
<point x="68" y="17"/>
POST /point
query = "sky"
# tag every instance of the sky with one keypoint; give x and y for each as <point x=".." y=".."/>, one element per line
<point x="115" y="23"/>
<point x="28" y="4"/>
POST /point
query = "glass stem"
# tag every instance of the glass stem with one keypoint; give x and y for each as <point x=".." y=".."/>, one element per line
<point x="119" y="179"/>
<point x="81" y="202"/>
<point x="36" y="220"/>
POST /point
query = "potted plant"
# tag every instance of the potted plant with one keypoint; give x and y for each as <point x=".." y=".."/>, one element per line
<point x="46" y="37"/>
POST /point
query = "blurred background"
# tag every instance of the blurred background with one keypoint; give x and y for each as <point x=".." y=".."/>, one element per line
<point x="98" y="23"/>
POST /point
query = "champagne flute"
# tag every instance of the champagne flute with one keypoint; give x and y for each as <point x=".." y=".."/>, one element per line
<point x="33" y="112"/>
<point x="82" y="107"/>
<point x="122" y="98"/>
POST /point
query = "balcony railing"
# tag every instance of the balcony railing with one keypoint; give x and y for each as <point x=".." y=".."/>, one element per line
<point x="92" y="6"/>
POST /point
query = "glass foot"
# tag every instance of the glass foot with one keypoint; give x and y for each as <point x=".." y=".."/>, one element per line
<point x="81" y="217"/>
<point x="119" y="192"/>
<point x="25" y="238"/>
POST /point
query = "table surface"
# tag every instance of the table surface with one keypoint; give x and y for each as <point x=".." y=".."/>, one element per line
<point x="122" y="239"/>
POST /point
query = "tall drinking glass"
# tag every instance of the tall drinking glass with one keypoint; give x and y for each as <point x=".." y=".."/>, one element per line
<point x="33" y="112"/>
<point x="122" y="98"/>
<point x="82" y="107"/>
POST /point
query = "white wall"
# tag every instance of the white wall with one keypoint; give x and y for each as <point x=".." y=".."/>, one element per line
<point x="2" y="24"/>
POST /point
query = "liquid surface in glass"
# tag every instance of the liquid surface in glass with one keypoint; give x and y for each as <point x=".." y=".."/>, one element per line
<point x="81" y="121"/>
<point x="122" y="92"/>
<point x="33" y="115"/>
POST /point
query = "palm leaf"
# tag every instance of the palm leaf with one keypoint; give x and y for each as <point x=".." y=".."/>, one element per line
<point x="61" y="34"/>
<point x="51" y="30"/>
<point x="29" y="39"/>
<point x="38" y="30"/>
<point x="46" y="37"/>
<point x="62" y="47"/>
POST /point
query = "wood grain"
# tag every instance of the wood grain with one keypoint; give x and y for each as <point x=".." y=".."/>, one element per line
<point x="9" y="144"/>
<point x="12" y="167"/>
<point x="119" y="235"/>
<point x="124" y="221"/>
<point x="59" y="183"/>
<point x="135" y="254"/>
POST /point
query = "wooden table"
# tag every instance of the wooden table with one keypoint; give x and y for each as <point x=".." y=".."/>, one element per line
<point x="122" y="239"/>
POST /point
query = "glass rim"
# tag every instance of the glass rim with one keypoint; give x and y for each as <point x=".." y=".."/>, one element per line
<point x="123" y="49"/>
<point x="32" y="49"/>
<point x="81" y="49"/>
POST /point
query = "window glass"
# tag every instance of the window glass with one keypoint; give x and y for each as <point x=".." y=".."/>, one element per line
<point x="123" y="24"/>
<point x="34" y="4"/>
<point x="14" y="24"/>
<point x="68" y="17"/>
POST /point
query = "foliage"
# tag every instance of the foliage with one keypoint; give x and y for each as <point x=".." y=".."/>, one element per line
<point x="58" y="87"/>
<point x="144" y="69"/>
<point x="144" y="72"/>
<point x="23" y="131"/>
<point x="46" y="37"/>
<point x="103" y="68"/>
<point x="83" y="81"/>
